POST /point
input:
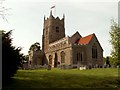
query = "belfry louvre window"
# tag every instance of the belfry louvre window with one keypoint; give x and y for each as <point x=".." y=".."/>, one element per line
<point x="57" y="29"/>
<point x="94" y="52"/>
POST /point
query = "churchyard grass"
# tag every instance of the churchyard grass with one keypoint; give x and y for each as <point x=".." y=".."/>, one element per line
<point x="70" y="78"/>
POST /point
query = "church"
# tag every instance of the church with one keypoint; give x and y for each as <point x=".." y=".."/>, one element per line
<point x="74" y="50"/>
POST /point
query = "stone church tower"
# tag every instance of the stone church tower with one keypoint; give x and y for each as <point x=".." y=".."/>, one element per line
<point x="53" y="30"/>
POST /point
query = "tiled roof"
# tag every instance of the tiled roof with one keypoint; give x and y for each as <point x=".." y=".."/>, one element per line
<point x="84" y="40"/>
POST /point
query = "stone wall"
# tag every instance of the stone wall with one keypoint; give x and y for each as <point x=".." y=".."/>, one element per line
<point x="35" y="57"/>
<point x="67" y="52"/>
<point x="76" y="50"/>
<point x="99" y="59"/>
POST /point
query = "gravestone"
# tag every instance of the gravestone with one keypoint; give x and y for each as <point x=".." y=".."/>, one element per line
<point x="49" y="67"/>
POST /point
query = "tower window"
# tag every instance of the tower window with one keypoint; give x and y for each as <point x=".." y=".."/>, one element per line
<point x="57" y="29"/>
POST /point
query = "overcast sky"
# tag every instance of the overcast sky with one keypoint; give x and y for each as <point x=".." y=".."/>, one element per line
<point x="26" y="18"/>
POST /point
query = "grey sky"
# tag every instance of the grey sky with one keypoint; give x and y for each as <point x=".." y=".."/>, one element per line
<point x="83" y="16"/>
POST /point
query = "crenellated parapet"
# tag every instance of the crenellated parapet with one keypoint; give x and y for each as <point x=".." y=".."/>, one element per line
<point x="51" y="19"/>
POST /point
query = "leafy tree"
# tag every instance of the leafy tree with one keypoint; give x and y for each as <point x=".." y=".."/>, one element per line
<point x="35" y="46"/>
<point x="115" y="41"/>
<point x="11" y="57"/>
<point x="108" y="61"/>
<point x="26" y="57"/>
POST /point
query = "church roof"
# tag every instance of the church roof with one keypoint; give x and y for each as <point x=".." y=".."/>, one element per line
<point x="76" y="34"/>
<point x="84" y="40"/>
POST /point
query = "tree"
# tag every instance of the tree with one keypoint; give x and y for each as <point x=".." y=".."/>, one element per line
<point x="26" y="58"/>
<point x="115" y="41"/>
<point x="3" y="10"/>
<point x="107" y="61"/>
<point x="11" y="57"/>
<point x="35" y="46"/>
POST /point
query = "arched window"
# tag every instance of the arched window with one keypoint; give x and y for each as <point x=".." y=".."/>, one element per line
<point x="79" y="56"/>
<point x="62" y="57"/>
<point x="50" y="59"/>
<point x="94" y="52"/>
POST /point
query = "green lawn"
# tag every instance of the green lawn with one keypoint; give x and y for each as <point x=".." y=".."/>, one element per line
<point x="73" y="78"/>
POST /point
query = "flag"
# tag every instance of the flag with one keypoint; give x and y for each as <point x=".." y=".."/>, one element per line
<point x="53" y="7"/>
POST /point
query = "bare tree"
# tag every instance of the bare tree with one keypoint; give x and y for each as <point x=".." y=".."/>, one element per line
<point x="3" y="10"/>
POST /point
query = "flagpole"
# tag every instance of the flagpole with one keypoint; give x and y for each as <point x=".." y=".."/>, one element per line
<point x="54" y="11"/>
